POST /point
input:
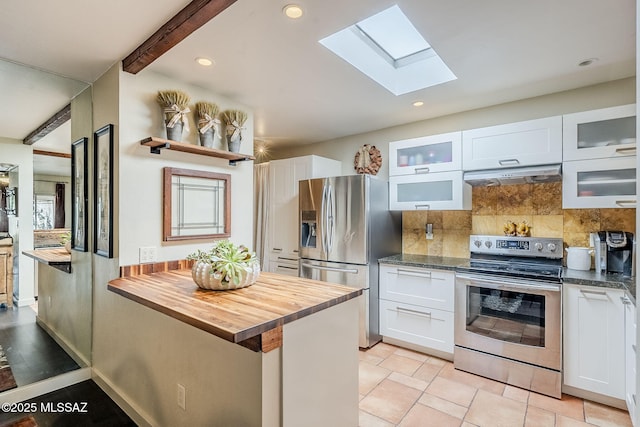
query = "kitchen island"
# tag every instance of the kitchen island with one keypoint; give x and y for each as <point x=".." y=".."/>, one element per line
<point x="283" y="351"/>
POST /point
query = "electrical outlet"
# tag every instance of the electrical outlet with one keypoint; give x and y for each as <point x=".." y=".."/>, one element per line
<point x="147" y="254"/>
<point x="429" y="231"/>
<point x="182" y="397"/>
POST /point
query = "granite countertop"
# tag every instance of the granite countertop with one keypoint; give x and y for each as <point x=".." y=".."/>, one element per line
<point x="590" y="278"/>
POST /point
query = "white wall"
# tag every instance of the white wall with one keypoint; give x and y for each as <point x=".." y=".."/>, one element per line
<point x="15" y="152"/>
<point x="140" y="192"/>
<point x="344" y="149"/>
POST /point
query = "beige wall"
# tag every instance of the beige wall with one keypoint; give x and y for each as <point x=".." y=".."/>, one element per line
<point x="618" y="92"/>
<point x="155" y="352"/>
<point x="540" y="205"/>
<point x="59" y="291"/>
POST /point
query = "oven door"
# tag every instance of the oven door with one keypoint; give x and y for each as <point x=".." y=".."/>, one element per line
<point x="512" y="318"/>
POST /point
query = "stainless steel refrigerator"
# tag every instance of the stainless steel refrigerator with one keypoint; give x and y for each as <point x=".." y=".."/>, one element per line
<point x="345" y="226"/>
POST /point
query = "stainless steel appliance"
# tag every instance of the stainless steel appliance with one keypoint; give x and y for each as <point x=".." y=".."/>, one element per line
<point x="345" y="226"/>
<point x="614" y="252"/>
<point x="508" y="319"/>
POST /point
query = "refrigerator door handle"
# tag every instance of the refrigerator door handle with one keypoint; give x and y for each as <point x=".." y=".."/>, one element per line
<point x="323" y="213"/>
<point x="330" y="219"/>
<point x="339" y="270"/>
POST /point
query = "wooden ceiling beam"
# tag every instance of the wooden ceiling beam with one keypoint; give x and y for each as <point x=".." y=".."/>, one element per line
<point x="51" y="154"/>
<point x="193" y="16"/>
<point x="49" y="126"/>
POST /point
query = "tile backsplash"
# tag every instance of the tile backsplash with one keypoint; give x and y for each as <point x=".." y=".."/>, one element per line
<point x="540" y="205"/>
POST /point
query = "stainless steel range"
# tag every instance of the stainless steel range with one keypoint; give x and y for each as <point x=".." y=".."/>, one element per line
<point x="508" y="312"/>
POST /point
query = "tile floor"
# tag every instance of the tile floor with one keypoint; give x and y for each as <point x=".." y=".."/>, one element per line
<point x="404" y="388"/>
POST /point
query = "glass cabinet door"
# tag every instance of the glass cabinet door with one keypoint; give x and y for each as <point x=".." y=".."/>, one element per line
<point x="434" y="191"/>
<point x="600" y="183"/>
<point x="436" y="153"/>
<point x="608" y="132"/>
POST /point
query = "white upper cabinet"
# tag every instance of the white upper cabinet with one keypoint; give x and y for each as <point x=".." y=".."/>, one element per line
<point x="599" y="183"/>
<point x="608" y="132"/>
<point x="432" y="191"/>
<point x="533" y="142"/>
<point x="435" y="153"/>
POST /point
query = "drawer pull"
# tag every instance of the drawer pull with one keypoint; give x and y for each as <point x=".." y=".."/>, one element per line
<point x="284" y="258"/>
<point x="422" y="170"/>
<point x="414" y="312"/>
<point x="509" y="162"/>
<point x="287" y="267"/>
<point x="626" y="203"/>
<point x="277" y="249"/>
<point x="587" y="292"/>
<point x="425" y="207"/>
<point x="626" y="150"/>
<point x="426" y="274"/>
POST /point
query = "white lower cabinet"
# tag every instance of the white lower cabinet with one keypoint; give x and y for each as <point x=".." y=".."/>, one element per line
<point x="630" y="356"/>
<point x="593" y="331"/>
<point x="289" y="268"/>
<point x="416" y="306"/>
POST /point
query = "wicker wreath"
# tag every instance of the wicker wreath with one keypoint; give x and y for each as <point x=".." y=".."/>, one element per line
<point x="368" y="160"/>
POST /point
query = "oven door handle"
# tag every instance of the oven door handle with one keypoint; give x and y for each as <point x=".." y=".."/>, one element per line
<point x="506" y="285"/>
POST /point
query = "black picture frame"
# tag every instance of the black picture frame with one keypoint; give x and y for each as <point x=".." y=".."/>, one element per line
<point x="103" y="191"/>
<point x="79" y="195"/>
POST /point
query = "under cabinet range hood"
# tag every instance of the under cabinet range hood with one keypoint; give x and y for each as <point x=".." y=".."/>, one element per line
<point x="509" y="176"/>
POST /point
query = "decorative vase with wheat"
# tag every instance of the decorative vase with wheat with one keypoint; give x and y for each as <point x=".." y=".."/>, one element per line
<point x="234" y="122"/>
<point x="208" y="124"/>
<point x="175" y="106"/>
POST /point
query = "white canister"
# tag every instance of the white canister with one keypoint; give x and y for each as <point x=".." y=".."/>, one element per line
<point x="579" y="258"/>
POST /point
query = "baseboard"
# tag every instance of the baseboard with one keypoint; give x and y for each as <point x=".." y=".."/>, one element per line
<point x="24" y="302"/>
<point x="29" y="391"/>
<point x="71" y="350"/>
<point x="430" y="351"/>
<point x="595" y="397"/>
<point x="140" y="417"/>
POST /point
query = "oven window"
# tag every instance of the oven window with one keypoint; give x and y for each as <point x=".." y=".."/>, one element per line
<point x="515" y="317"/>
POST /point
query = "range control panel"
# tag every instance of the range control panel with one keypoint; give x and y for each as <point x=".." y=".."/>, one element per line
<point x="540" y="247"/>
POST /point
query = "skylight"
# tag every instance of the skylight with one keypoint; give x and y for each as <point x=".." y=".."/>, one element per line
<point x="390" y="50"/>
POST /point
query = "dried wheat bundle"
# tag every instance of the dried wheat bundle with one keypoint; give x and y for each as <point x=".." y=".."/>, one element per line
<point x="168" y="98"/>
<point x="234" y="120"/>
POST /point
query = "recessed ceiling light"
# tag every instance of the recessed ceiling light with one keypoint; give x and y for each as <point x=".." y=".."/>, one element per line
<point x="292" y="11"/>
<point x="418" y="104"/>
<point x="587" y="62"/>
<point x="205" y="62"/>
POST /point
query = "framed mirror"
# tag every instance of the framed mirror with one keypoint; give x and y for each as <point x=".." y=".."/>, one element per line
<point x="196" y="204"/>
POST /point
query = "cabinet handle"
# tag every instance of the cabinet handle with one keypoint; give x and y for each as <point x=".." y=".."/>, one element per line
<point x="633" y="396"/>
<point x="509" y="162"/>
<point x="626" y="203"/>
<point x="427" y="207"/>
<point x="284" y="258"/>
<point x="422" y="170"/>
<point x="416" y="312"/>
<point x="295" y="251"/>
<point x="626" y="150"/>
<point x="425" y="274"/>
<point x="633" y="346"/>
<point x="277" y="249"/>
<point x="287" y="267"/>
<point x="587" y="293"/>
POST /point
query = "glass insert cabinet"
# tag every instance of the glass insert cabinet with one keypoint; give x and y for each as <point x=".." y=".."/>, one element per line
<point x="600" y="183"/>
<point x="436" y="153"/>
<point x="603" y="133"/>
<point x="437" y="191"/>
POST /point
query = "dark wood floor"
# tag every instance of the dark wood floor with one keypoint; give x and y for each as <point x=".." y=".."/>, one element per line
<point x="82" y="404"/>
<point x="32" y="354"/>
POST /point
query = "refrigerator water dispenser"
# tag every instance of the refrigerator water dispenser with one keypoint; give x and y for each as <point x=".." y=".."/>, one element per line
<point x="308" y="229"/>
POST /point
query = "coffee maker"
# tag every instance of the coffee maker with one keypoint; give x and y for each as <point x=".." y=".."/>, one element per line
<point x="614" y="252"/>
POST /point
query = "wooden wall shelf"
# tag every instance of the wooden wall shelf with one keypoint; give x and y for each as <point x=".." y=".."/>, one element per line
<point x="157" y="144"/>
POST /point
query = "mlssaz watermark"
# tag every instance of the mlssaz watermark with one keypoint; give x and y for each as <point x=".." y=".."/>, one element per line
<point x="45" y="407"/>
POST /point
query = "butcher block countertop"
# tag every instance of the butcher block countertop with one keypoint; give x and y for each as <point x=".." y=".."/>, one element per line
<point x="57" y="258"/>
<point x="251" y="316"/>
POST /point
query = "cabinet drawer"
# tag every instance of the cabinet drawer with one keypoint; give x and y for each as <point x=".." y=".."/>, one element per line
<point x="417" y="286"/>
<point x="429" y="328"/>
<point x="289" y="268"/>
